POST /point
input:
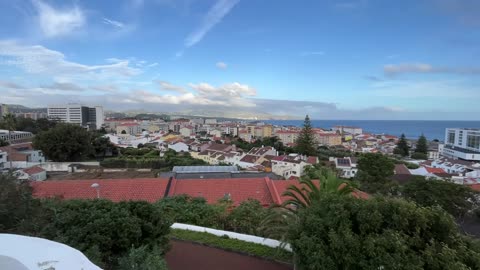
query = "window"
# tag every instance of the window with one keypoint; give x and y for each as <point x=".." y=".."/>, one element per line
<point x="473" y="141"/>
<point x="451" y="137"/>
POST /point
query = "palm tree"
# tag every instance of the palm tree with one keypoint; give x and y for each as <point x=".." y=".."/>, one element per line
<point x="10" y="122"/>
<point x="308" y="192"/>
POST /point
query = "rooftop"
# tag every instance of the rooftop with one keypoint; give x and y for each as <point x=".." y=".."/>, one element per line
<point x="204" y="169"/>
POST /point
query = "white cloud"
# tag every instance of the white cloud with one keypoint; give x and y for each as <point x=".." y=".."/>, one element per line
<point x="213" y="16"/>
<point x="153" y="64"/>
<point x="109" y="88"/>
<point x="113" y="23"/>
<point x="427" y="68"/>
<point x="56" y="22"/>
<point x="164" y="85"/>
<point x="40" y="60"/>
<point x="10" y="85"/>
<point x="63" y="86"/>
<point x="314" y="53"/>
<point x="221" y="65"/>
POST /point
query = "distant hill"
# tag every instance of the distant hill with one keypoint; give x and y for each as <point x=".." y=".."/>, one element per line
<point x="16" y="108"/>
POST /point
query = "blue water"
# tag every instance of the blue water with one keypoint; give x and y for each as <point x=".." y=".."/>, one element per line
<point x="411" y="129"/>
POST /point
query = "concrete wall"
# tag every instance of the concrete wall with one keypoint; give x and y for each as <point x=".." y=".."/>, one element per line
<point x="244" y="237"/>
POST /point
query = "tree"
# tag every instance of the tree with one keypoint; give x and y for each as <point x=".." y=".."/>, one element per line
<point x="402" y="147"/>
<point x="246" y="217"/>
<point x="309" y="192"/>
<point x="64" y="142"/>
<point x="306" y="142"/>
<point x="17" y="206"/>
<point x="142" y="258"/>
<point x="417" y="155"/>
<point x="453" y="198"/>
<point x="107" y="229"/>
<point x="4" y="143"/>
<point x="347" y="233"/>
<point x="422" y="146"/>
<point x="102" y="146"/>
<point x="374" y="172"/>
<point x="10" y="123"/>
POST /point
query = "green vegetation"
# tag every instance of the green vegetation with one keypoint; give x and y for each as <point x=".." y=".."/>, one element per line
<point x="402" y="148"/>
<point x="374" y="172"/>
<point x="149" y="158"/>
<point x="306" y="143"/>
<point x="10" y="122"/>
<point x="348" y="233"/>
<point x="456" y="199"/>
<point x="142" y="259"/>
<point x="266" y="141"/>
<point x="233" y="245"/>
<point x="420" y="156"/>
<point x="421" y="146"/>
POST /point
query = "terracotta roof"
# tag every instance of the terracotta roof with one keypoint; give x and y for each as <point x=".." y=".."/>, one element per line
<point x="401" y="169"/>
<point x="435" y="170"/>
<point x="475" y="187"/>
<point x="249" y="159"/>
<point x="33" y="170"/>
<point x="146" y="189"/>
<point x="312" y="160"/>
<point x="240" y="189"/>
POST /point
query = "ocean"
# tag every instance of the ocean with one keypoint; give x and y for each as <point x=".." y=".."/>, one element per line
<point x="412" y="129"/>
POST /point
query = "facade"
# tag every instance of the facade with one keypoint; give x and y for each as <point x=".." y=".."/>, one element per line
<point x="178" y="147"/>
<point x="128" y="129"/>
<point x="462" y="143"/>
<point x="347" y="129"/>
<point x="33" y="174"/>
<point x="15" y="136"/>
<point x="92" y="117"/>
<point x="329" y="139"/>
<point x="211" y="121"/>
<point x="347" y="166"/>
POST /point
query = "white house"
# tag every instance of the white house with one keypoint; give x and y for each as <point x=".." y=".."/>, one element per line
<point x="179" y="147"/>
<point x="34" y="173"/>
<point x="186" y="131"/>
<point x="288" y="166"/>
<point x="348" y="166"/>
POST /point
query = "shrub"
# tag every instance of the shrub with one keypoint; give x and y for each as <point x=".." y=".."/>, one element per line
<point x="348" y="233"/>
<point x="418" y="155"/>
<point x="246" y="217"/>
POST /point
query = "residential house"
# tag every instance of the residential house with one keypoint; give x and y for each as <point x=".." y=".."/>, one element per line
<point x="186" y="131"/>
<point x="22" y="155"/>
<point x="129" y="128"/>
<point x="34" y="173"/>
<point x="347" y="166"/>
<point x="328" y="139"/>
<point x="179" y="147"/>
<point x="288" y="166"/>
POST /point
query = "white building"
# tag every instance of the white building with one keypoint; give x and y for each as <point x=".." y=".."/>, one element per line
<point x="178" y="147"/>
<point x="210" y="121"/>
<point x="15" y="136"/>
<point x="348" y="166"/>
<point x="347" y="129"/>
<point x="462" y="143"/>
<point x="77" y="114"/>
<point x="288" y="166"/>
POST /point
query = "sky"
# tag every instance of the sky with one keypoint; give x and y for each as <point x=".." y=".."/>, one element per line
<point x="347" y="59"/>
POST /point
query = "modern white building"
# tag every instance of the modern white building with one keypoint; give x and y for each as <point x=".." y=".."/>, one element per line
<point x="462" y="143"/>
<point x="15" y="136"/>
<point x="78" y="114"/>
<point x="347" y="129"/>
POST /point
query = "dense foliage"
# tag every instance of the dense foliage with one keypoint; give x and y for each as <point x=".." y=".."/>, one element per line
<point x="348" y="233"/>
<point x="247" y="217"/>
<point x="10" y="122"/>
<point x="374" y="172"/>
<point x="266" y="141"/>
<point x="149" y="158"/>
<point x="64" y="142"/>
<point x="402" y="147"/>
<point x="306" y="143"/>
<point x="419" y="156"/>
<point x="453" y="198"/>
<point x="421" y="146"/>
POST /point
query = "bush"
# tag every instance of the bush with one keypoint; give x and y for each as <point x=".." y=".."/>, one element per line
<point x="233" y="245"/>
<point x="418" y="155"/>
<point x="106" y="229"/>
<point x="246" y="217"/>
<point x="348" y="233"/>
<point x="195" y="211"/>
<point x="142" y="258"/>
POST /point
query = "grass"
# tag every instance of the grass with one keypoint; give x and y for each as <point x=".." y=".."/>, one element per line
<point x="227" y="243"/>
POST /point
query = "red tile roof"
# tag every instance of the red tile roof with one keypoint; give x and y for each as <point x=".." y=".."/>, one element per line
<point x="475" y="187"/>
<point x="146" y="189"/>
<point x="240" y="189"/>
<point x="33" y="170"/>
<point x="435" y="170"/>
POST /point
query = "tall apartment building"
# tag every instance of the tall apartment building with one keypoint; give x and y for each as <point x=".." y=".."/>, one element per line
<point x="462" y="143"/>
<point x="91" y="117"/>
<point x="3" y="110"/>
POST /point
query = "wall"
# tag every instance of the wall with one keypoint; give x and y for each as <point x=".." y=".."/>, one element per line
<point x="244" y="237"/>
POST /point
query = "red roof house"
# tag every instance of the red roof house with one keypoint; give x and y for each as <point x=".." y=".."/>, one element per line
<point x="146" y="189"/>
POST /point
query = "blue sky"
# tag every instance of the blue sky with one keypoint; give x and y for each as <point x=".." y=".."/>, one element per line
<point x="352" y="59"/>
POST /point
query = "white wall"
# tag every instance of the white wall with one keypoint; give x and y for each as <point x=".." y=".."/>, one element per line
<point x="244" y="237"/>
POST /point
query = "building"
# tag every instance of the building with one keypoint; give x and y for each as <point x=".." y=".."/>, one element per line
<point x="91" y="117"/>
<point x="288" y="166"/>
<point x="210" y="121"/>
<point x="347" y="166"/>
<point x="462" y="143"/>
<point x="328" y="139"/>
<point x="347" y="129"/>
<point x="3" y="110"/>
<point x="32" y="115"/>
<point x="15" y="136"/>
<point x="129" y="128"/>
<point x="22" y="155"/>
<point x="179" y="147"/>
<point x="34" y="173"/>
